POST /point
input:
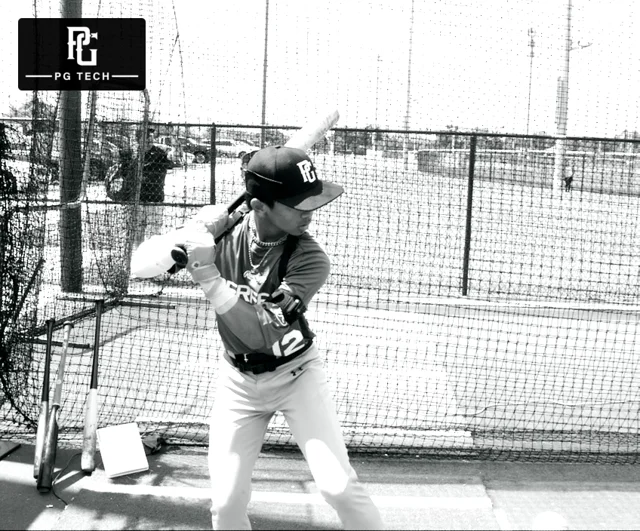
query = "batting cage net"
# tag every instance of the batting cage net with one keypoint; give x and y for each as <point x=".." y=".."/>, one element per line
<point x="473" y="308"/>
<point x="483" y="295"/>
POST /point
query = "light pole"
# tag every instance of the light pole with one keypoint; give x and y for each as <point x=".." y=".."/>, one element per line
<point x="377" y="85"/>
<point x="264" y="75"/>
<point x="531" y="44"/>
<point x="375" y="134"/>
<point x="408" y="113"/>
<point x="562" y="104"/>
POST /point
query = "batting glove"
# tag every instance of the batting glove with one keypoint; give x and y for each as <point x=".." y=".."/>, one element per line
<point x="200" y="247"/>
<point x="216" y="219"/>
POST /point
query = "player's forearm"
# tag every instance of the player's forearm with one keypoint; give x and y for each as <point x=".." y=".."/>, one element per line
<point x="257" y="326"/>
<point x="242" y="320"/>
<point x="239" y="316"/>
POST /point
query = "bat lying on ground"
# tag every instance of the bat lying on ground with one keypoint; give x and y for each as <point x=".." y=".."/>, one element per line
<point x="303" y="139"/>
<point x="44" y="404"/>
<point x="47" y="464"/>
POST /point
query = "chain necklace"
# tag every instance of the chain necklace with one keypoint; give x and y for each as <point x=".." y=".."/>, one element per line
<point x="257" y="241"/>
<point x="254" y="267"/>
<point x="265" y="245"/>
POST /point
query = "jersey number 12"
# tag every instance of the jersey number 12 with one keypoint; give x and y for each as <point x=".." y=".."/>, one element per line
<point x="289" y="344"/>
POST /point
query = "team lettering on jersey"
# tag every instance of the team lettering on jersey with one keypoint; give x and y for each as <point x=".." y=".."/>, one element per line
<point x="247" y="294"/>
<point x="250" y="296"/>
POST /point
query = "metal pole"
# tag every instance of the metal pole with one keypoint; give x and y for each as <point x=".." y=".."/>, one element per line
<point x="408" y="113"/>
<point x="214" y="155"/>
<point x="264" y="75"/>
<point x="377" y="86"/>
<point x="86" y="171"/>
<point x="562" y="108"/>
<point x="531" y="44"/>
<point x="70" y="176"/>
<point x="467" y="232"/>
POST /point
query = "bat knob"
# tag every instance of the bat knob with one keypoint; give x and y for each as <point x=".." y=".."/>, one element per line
<point x="179" y="256"/>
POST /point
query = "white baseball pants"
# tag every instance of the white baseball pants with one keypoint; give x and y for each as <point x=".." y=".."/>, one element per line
<point x="244" y="405"/>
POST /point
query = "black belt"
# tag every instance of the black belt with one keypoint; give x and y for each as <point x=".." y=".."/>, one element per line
<point x="258" y="363"/>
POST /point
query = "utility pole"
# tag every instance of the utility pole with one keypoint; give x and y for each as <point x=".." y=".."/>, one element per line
<point x="562" y="104"/>
<point x="532" y="44"/>
<point x="375" y="134"/>
<point x="264" y="75"/>
<point x="71" y="176"/>
<point x="408" y="113"/>
<point x="377" y="86"/>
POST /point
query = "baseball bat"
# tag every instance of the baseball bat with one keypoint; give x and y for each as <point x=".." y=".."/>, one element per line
<point x="179" y="255"/>
<point x="44" y="403"/>
<point x="88" y="462"/>
<point x="304" y="139"/>
<point x="311" y="133"/>
<point x="45" y="474"/>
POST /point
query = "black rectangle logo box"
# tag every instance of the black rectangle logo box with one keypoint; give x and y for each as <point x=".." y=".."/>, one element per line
<point x="81" y="54"/>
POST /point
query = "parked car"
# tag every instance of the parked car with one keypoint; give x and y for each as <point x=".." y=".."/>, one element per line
<point x="227" y="147"/>
<point x="102" y="155"/>
<point x="19" y="172"/>
<point x="201" y="151"/>
<point x="171" y="147"/>
<point x="176" y="147"/>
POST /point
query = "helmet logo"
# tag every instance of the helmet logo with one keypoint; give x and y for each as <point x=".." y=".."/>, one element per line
<point x="307" y="171"/>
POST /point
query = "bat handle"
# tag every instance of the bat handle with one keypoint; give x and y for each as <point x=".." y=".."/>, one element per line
<point x="67" y="327"/>
<point x="179" y="254"/>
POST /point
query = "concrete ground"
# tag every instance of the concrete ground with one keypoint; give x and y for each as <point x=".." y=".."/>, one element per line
<point x="411" y="494"/>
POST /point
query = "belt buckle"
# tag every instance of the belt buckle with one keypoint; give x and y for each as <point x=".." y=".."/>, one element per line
<point x="241" y="362"/>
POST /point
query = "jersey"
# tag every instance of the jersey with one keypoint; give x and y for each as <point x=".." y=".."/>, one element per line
<point x="307" y="271"/>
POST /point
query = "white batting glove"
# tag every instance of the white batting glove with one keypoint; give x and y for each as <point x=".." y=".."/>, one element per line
<point x="215" y="218"/>
<point x="200" y="247"/>
<point x="153" y="256"/>
<point x="199" y="244"/>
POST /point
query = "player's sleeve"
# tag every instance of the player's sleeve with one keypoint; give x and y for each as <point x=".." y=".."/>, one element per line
<point x="259" y="326"/>
<point x="307" y="273"/>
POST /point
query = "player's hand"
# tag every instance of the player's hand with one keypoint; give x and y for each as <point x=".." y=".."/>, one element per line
<point x="199" y="245"/>
<point x="216" y="219"/>
<point x="200" y="248"/>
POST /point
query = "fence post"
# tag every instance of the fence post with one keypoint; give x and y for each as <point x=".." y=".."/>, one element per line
<point x="467" y="233"/>
<point x="212" y="162"/>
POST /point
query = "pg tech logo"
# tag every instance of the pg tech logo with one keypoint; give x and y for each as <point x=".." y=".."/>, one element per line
<point x="79" y="37"/>
<point x="81" y="54"/>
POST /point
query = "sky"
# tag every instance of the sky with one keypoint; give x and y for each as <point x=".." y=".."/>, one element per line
<point x="470" y="67"/>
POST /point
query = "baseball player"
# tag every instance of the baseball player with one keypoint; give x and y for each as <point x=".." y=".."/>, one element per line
<point x="259" y="278"/>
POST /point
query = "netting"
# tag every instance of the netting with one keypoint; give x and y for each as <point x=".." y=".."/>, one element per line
<point x="483" y="294"/>
<point x="536" y="358"/>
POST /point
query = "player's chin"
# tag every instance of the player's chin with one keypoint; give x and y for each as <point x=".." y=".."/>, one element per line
<point x="301" y="229"/>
